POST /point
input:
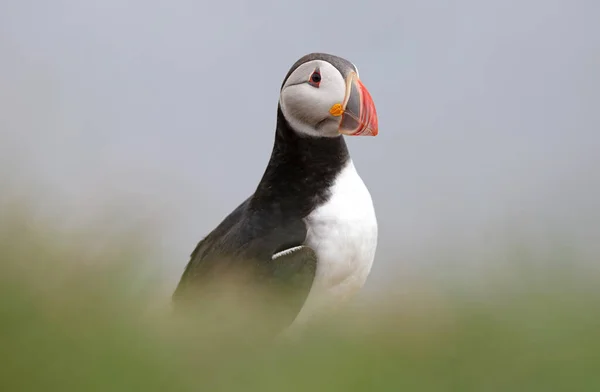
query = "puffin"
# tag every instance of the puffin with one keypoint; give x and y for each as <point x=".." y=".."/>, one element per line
<point x="308" y="233"/>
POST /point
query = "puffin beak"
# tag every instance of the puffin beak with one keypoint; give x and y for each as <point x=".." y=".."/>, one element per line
<point x="359" y="117"/>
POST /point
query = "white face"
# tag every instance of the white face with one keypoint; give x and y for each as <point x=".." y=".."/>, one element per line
<point x="306" y="99"/>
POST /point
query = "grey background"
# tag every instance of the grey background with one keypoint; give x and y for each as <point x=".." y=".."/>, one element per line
<point x="489" y="115"/>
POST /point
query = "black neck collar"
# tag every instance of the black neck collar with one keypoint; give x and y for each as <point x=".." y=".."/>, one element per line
<point x="300" y="172"/>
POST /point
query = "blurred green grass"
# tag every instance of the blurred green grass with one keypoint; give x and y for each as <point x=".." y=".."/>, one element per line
<point x="80" y="311"/>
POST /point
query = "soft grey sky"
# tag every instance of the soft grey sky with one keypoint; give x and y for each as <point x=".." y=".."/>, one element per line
<point x="489" y="112"/>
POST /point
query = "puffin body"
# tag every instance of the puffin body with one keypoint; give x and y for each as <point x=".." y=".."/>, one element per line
<point x="309" y="230"/>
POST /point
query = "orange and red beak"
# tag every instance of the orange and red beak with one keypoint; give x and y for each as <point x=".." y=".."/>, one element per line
<point x="359" y="117"/>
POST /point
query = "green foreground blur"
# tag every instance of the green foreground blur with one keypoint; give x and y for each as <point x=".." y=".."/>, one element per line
<point x="81" y="312"/>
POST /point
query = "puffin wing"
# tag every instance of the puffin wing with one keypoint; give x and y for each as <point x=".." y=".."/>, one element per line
<point x="293" y="273"/>
<point x="273" y="259"/>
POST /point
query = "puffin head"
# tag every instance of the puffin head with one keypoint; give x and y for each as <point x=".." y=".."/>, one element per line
<point x="322" y="96"/>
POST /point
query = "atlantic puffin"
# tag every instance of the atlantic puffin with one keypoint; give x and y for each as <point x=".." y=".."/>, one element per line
<point x="309" y="230"/>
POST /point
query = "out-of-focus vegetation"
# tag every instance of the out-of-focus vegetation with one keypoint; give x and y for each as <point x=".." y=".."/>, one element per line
<point x="80" y="311"/>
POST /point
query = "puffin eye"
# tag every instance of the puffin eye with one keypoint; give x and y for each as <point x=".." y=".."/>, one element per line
<point x="315" y="78"/>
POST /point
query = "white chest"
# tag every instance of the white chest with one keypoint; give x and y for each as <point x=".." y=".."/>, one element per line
<point x="343" y="233"/>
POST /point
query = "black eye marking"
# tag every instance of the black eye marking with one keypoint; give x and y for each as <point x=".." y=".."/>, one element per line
<point x="315" y="78"/>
